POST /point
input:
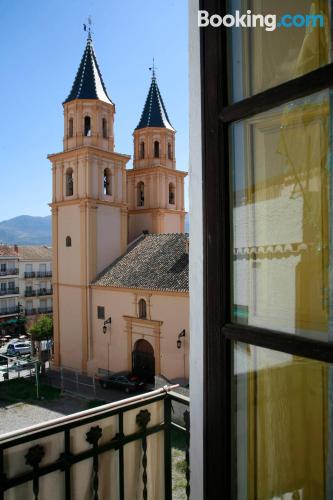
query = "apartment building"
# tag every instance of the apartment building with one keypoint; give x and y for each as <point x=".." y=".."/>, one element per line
<point x="25" y="281"/>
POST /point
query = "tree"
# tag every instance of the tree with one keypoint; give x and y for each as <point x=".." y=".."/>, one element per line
<point x="42" y="329"/>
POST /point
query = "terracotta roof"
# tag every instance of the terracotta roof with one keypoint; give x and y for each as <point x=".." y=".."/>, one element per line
<point x="154" y="113"/>
<point x="41" y="252"/>
<point x="153" y="262"/>
<point x="7" y="251"/>
<point x="88" y="83"/>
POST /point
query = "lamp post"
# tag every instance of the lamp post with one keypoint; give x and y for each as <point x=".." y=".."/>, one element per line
<point x="107" y="322"/>
<point x="179" y="344"/>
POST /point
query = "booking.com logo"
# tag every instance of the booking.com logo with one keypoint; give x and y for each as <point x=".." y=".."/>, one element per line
<point x="249" y="20"/>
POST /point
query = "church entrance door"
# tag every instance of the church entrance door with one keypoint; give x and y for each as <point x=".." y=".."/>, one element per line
<point x="143" y="360"/>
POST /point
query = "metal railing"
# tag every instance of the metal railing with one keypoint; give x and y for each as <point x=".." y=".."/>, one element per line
<point x="44" y="274"/>
<point x="10" y="291"/>
<point x="44" y="291"/>
<point x="45" y="310"/>
<point x="30" y="312"/>
<point x="118" y="450"/>
<point x="9" y="272"/>
<point x="30" y="274"/>
<point x="30" y="293"/>
<point x="8" y="310"/>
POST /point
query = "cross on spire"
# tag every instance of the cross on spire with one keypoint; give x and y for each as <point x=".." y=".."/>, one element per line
<point x="85" y="28"/>
<point x="153" y="68"/>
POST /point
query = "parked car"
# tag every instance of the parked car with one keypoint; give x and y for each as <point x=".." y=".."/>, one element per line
<point x="126" y="381"/>
<point x="18" y="348"/>
<point x="3" y="360"/>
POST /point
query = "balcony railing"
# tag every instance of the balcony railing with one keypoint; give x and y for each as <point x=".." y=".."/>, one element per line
<point x="8" y="310"/>
<point x="119" y="450"/>
<point x="30" y="274"/>
<point x="9" y="272"/>
<point x="10" y="291"/>
<point x="45" y="310"/>
<point x="44" y="274"/>
<point x="44" y="291"/>
<point x="30" y="312"/>
<point x="30" y="293"/>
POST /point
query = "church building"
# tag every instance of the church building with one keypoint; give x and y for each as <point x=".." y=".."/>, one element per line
<point x="120" y="254"/>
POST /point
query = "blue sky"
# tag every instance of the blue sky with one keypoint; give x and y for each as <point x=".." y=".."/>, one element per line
<point x="42" y="44"/>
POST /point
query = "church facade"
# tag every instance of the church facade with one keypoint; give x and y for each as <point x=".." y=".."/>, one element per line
<point x="120" y="255"/>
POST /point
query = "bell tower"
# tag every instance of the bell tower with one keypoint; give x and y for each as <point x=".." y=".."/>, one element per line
<point x="89" y="209"/>
<point x="155" y="189"/>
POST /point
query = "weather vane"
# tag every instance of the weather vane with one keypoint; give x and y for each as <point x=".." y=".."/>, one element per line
<point x="153" y="68"/>
<point x="89" y="27"/>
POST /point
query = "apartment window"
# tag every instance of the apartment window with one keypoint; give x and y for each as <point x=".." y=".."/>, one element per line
<point x="100" y="312"/>
<point x="68" y="241"/>
<point x="268" y="260"/>
<point x="69" y="182"/>
<point x="142" y="308"/>
<point x="87" y="126"/>
<point x="156" y="149"/>
<point x="3" y="268"/>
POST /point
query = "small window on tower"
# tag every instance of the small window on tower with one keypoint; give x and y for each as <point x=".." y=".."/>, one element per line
<point x="100" y="312"/>
<point x="87" y="126"/>
<point x="142" y="309"/>
<point x="171" y="194"/>
<point x="105" y="128"/>
<point x="140" y="194"/>
<point x="70" y="127"/>
<point x="156" y="149"/>
<point x="68" y="241"/>
<point x="69" y="182"/>
<point x="107" y="182"/>
<point x="169" y="151"/>
<point x="142" y="150"/>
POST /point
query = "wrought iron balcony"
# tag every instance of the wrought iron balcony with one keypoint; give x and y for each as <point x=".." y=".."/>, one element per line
<point x="45" y="310"/>
<point x="30" y="274"/>
<point x="44" y="274"/>
<point x="30" y="293"/>
<point x="8" y="311"/>
<point x="9" y="272"/>
<point x="10" y="291"/>
<point x="44" y="291"/>
<point x="116" y="451"/>
<point x="30" y="312"/>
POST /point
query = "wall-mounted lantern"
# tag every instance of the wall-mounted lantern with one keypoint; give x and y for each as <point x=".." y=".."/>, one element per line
<point x="106" y="322"/>
<point x="179" y="342"/>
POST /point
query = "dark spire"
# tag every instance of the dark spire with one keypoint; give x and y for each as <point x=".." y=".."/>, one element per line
<point x="88" y="83"/>
<point x="154" y="113"/>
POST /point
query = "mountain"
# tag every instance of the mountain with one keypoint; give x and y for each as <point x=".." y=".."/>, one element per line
<point x="26" y="230"/>
<point x="29" y="230"/>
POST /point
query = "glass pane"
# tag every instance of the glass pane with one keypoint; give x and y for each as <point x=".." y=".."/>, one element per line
<point x="261" y="59"/>
<point x="282" y="409"/>
<point x="282" y="219"/>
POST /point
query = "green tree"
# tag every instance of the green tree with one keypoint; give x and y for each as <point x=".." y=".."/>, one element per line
<point x="42" y="329"/>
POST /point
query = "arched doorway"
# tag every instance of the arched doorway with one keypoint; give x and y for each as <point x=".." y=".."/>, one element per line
<point x="143" y="360"/>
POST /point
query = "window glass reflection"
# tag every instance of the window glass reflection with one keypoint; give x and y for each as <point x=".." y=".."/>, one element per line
<point x="261" y="59"/>
<point x="282" y="263"/>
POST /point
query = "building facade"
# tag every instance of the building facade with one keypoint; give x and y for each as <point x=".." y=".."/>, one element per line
<point x="25" y="282"/>
<point x="99" y="212"/>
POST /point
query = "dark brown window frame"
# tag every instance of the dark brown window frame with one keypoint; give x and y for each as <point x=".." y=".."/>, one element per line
<point x="219" y="332"/>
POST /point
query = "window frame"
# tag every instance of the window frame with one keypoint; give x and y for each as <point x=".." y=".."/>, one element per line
<point x="219" y="331"/>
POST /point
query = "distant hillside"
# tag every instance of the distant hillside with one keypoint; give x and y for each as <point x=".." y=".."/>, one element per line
<point x="26" y="230"/>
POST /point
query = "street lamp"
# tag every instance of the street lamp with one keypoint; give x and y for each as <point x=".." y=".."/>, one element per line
<point x="106" y="322"/>
<point x="179" y="342"/>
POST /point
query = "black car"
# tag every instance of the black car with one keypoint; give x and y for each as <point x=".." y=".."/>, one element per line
<point x="126" y="381"/>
